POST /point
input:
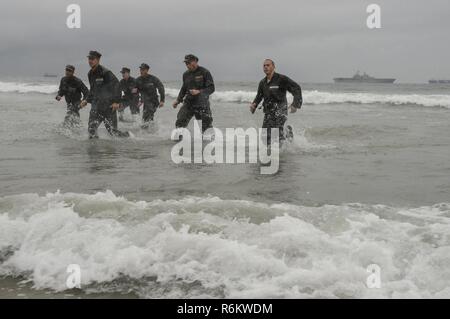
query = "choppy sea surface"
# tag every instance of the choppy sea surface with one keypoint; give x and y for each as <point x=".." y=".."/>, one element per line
<point x="365" y="181"/>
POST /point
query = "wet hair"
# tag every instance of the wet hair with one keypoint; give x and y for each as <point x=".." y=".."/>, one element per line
<point x="271" y="61"/>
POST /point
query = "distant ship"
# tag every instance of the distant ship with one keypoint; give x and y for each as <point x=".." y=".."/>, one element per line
<point x="47" y="75"/>
<point x="439" y="81"/>
<point x="364" y="78"/>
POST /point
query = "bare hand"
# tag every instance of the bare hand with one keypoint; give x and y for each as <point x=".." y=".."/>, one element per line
<point x="194" y="92"/>
<point x="161" y="104"/>
<point x="253" y="107"/>
<point x="83" y="104"/>
<point x="175" y="104"/>
<point x="293" y="109"/>
<point x="115" y="106"/>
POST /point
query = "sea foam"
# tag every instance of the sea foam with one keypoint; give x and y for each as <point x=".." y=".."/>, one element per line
<point x="310" y="97"/>
<point x="211" y="247"/>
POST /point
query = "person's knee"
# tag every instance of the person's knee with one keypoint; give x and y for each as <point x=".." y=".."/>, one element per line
<point x="181" y="122"/>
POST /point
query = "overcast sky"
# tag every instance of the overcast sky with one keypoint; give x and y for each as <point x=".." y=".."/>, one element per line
<point x="311" y="41"/>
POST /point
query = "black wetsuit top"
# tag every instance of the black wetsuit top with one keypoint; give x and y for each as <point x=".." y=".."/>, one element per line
<point x="127" y="86"/>
<point x="274" y="92"/>
<point x="73" y="89"/>
<point x="199" y="79"/>
<point x="105" y="88"/>
<point x="148" y="86"/>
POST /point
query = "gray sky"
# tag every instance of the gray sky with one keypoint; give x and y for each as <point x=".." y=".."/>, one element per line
<point x="311" y="41"/>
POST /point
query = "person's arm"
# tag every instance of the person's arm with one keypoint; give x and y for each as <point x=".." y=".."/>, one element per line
<point x="183" y="91"/>
<point x="84" y="90"/>
<point x="133" y="87"/>
<point x="60" y="93"/>
<point x="259" y="95"/>
<point x="295" y="89"/>
<point x="161" y="91"/>
<point x="89" y="97"/>
<point x="209" y="84"/>
<point x="113" y="82"/>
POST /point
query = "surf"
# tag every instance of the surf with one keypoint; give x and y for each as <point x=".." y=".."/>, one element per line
<point x="191" y="246"/>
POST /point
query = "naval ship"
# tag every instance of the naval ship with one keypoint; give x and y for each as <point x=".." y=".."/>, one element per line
<point x="364" y="78"/>
<point x="439" y="81"/>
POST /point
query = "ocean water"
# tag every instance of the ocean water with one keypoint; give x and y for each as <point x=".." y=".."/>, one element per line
<point x="366" y="181"/>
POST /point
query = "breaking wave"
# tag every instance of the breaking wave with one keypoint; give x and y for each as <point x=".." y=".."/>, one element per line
<point x="17" y="87"/>
<point x="310" y="97"/>
<point x="211" y="247"/>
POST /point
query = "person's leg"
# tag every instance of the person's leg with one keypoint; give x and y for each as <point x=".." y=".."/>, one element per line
<point x="113" y="117"/>
<point x="149" y="112"/>
<point x="71" y="119"/>
<point x="134" y="107"/>
<point x="109" y="115"/>
<point x="184" y="116"/>
<point x="94" y="122"/>
<point x="72" y="115"/>
<point x="204" y="114"/>
<point x="274" y="121"/>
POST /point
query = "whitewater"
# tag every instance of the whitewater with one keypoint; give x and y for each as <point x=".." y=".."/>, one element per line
<point x="209" y="247"/>
<point x="365" y="182"/>
<point x="311" y="96"/>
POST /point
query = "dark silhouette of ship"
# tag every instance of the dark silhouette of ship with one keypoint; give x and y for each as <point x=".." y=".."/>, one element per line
<point x="364" y="78"/>
<point x="48" y="75"/>
<point x="432" y="81"/>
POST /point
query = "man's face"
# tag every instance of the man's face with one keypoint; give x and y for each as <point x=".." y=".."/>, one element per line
<point x="69" y="73"/>
<point x="144" y="72"/>
<point x="268" y="67"/>
<point x="125" y="75"/>
<point x="191" y="65"/>
<point x="93" y="62"/>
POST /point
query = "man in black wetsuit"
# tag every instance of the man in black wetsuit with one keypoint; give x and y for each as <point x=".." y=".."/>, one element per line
<point x="272" y="89"/>
<point x="198" y="85"/>
<point x="104" y="97"/>
<point x="73" y="90"/>
<point x="130" y="98"/>
<point x="149" y="86"/>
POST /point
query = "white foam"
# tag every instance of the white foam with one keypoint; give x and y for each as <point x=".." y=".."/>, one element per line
<point x="313" y="97"/>
<point x="320" y="97"/>
<point x="197" y="247"/>
<point x="18" y="87"/>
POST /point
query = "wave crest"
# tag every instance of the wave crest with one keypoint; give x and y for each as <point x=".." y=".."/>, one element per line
<point x="211" y="247"/>
<point x="313" y="97"/>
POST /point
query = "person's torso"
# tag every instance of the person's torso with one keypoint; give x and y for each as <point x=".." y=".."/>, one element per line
<point x="127" y="87"/>
<point x="148" y="86"/>
<point x="274" y="91"/>
<point x="101" y="84"/>
<point x="71" y="87"/>
<point x="195" y="80"/>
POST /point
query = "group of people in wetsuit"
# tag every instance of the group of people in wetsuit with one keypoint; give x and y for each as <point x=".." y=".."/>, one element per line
<point x="109" y="97"/>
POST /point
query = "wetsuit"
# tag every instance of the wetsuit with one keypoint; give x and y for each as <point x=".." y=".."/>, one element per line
<point x="129" y="98"/>
<point x="275" y="104"/>
<point x="73" y="89"/>
<point x="149" y="86"/>
<point x="104" y="92"/>
<point x="198" y="105"/>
